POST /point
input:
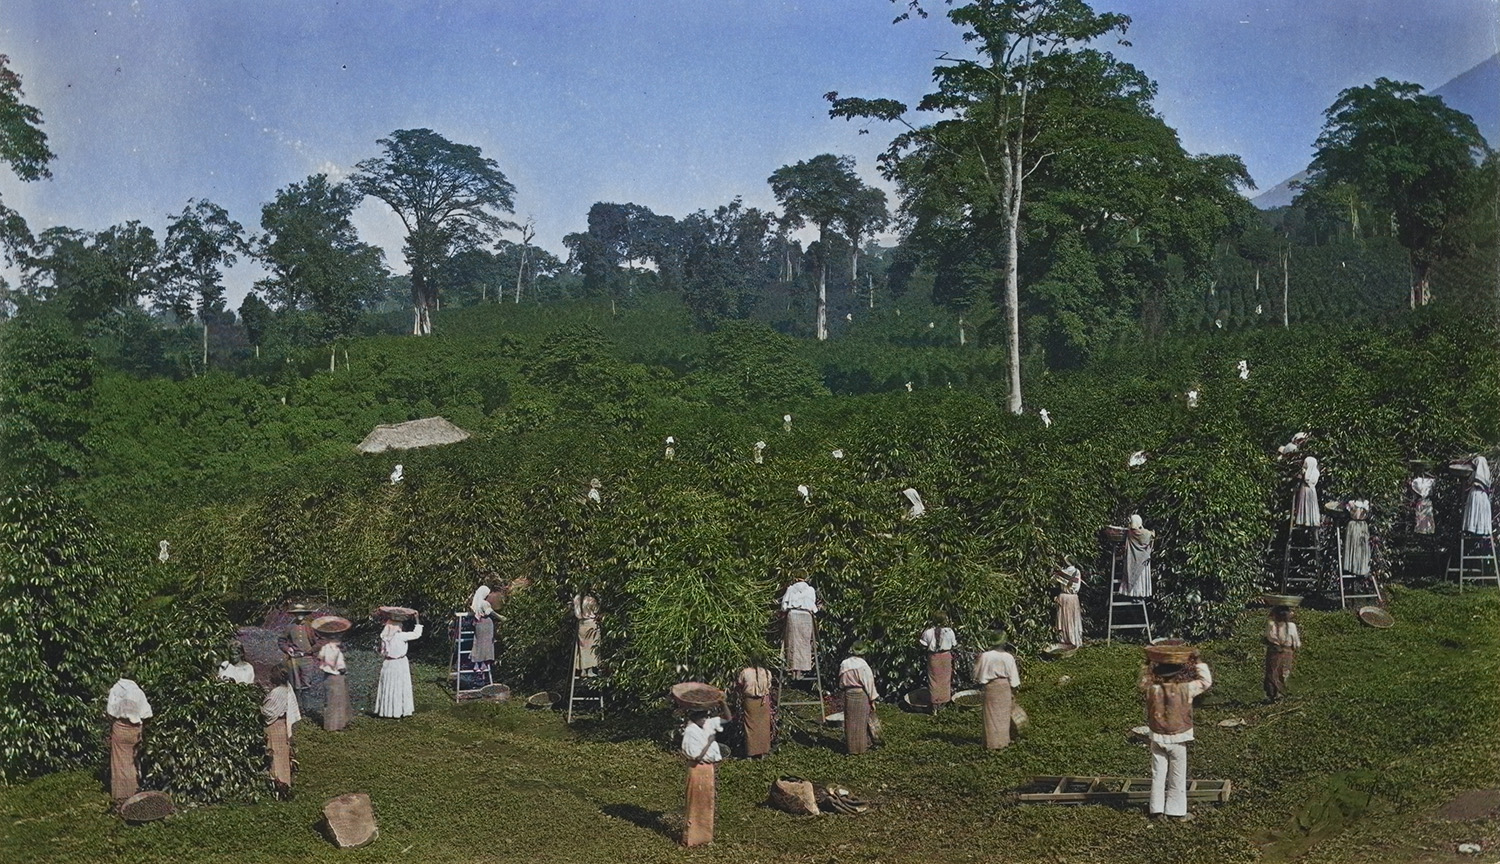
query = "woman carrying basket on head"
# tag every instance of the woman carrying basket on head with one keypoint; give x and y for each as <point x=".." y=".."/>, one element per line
<point x="393" y="696"/>
<point x="703" y="754"/>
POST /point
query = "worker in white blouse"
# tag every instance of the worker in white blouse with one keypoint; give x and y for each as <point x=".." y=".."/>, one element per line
<point x="939" y="640"/>
<point x="857" y="681"/>
<point x="996" y="672"/>
<point x="798" y="604"/>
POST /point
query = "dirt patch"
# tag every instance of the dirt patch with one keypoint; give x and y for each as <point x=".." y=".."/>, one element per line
<point x="1475" y="804"/>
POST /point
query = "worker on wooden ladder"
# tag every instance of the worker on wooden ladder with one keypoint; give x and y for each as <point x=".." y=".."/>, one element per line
<point x="798" y="605"/>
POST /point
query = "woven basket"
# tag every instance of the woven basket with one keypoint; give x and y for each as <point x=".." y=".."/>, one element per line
<point x="1168" y="653"/>
<point x="695" y="695"/>
<point x="146" y="807"/>
<point x="1281" y="600"/>
<point x="331" y="624"/>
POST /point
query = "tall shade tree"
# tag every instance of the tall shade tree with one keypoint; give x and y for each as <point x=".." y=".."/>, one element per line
<point x="442" y="192"/>
<point x="92" y="275"/>
<point x="988" y="142"/>
<point x="314" y="254"/>
<point x="864" y="215"/>
<point x="258" y="317"/>
<point x="1410" y="155"/>
<point x="201" y="242"/>
<point x="817" y="191"/>
<point x="23" y="146"/>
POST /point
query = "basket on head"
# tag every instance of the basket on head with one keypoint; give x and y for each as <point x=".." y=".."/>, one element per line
<point x="696" y="696"/>
<point x="1164" y="652"/>
<point x="394" y="613"/>
<point x="1419" y="466"/>
<point x="1281" y="600"/>
<point x="1459" y="469"/>
<point x="331" y="624"/>
<point x="1112" y="534"/>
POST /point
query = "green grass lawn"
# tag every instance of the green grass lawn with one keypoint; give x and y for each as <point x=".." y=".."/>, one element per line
<point x="1383" y="727"/>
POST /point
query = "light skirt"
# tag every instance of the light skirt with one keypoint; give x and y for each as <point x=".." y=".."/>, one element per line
<point x="393" y="695"/>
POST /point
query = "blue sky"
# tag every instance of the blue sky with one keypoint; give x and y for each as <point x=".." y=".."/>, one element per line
<point x="674" y="104"/>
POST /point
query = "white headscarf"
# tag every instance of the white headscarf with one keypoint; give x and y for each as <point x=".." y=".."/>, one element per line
<point x="1135" y="522"/>
<point x="1310" y="470"/>
<point x="480" y="604"/>
<point x="1482" y="470"/>
<point x="127" y="702"/>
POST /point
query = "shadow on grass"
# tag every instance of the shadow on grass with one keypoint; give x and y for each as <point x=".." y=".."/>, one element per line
<point x="651" y="820"/>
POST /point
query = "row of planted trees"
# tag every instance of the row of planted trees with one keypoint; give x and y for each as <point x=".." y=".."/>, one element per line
<point x="686" y="554"/>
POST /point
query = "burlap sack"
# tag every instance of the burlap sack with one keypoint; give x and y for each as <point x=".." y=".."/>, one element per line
<point x="794" y="795"/>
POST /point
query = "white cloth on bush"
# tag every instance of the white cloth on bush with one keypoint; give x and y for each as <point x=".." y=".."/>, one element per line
<point x="127" y="701"/>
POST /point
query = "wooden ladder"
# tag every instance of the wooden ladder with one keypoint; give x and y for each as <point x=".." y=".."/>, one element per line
<point x="590" y="694"/>
<point x="781" y="673"/>
<point x="1138" y="603"/>
<point x="1371" y="585"/>
<point x="1086" y="789"/>
<point x="461" y="667"/>
<point x="1458" y="565"/>
<point x="1301" y="571"/>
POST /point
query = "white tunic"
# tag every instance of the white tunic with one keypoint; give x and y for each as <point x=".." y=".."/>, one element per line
<point x="799" y="595"/>
<point x="934" y="639"/>
<point x="855" y="672"/>
<point x="393" y="641"/>
<point x="997" y="664"/>
<point x="331" y="658"/>
<point x="127" y="702"/>
<point x="281" y="702"/>
<point x="698" y="742"/>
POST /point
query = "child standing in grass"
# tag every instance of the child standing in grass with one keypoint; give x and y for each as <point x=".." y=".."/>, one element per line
<point x="1283" y="640"/>
<point x="700" y="747"/>
<point x="1173" y="678"/>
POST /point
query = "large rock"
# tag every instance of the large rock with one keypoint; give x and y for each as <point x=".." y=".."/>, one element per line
<point x="351" y="821"/>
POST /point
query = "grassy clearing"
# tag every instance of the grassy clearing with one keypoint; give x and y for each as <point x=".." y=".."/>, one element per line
<point x="1409" y="714"/>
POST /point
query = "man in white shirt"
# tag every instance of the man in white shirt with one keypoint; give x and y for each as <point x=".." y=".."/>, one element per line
<point x="798" y="604"/>
<point x="1170" y="686"/>
<point x="857" y="679"/>
<point x="996" y="672"/>
<point x="939" y="640"/>
<point x="703" y="754"/>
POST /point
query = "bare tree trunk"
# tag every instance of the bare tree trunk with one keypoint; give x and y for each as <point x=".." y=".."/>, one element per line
<point x="1257" y="282"/>
<point x="520" y="274"/>
<point x="332" y="358"/>
<point x="528" y="231"/>
<point x="257" y="352"/>
<point x="870" y="280"/>
<point x="346" y="359"/>
<point x="416" y="320"/>
<point x="962" y="340"/>
<point x="823" y="302"/>
<point x="205" y="346"/>
<point x="854" y="265"/>
<point x="1286" y="281"/>
<point x="1011" y="197"/>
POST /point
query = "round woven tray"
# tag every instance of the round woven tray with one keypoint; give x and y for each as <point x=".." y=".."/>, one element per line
<point x="695" y="695"/>
<point x="968" y="698"/>
<point x="1376" y="617"/>
<point x="1170" y="653"/>
<point x="1282" y="600"/>
<point x="331" y="624"/>
<point x="545" y="699"/>
<point x="395" y="613"/>
<point x="146" y="807"/>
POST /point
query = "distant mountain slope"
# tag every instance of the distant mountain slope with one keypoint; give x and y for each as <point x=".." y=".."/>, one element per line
<point x="1475" y="92"/>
